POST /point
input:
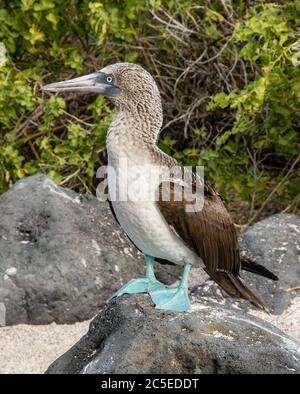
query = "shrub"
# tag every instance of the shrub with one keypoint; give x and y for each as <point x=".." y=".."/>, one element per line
<point x="228" y="73"/>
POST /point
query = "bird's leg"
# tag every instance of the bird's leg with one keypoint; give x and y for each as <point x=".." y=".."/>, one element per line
<point x="141" y="285"/>
<point x="153" y="283"/>
<point x="174" y="299"/>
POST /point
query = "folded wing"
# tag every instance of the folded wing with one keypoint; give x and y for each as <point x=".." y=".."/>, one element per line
<point x="210" y="232"/>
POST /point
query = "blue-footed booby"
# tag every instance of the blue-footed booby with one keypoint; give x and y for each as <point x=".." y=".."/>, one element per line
<point x="170" y="228"/>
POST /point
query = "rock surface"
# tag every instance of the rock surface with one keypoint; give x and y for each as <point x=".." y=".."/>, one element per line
<point x="275" y="243"/>
<point x="61" y="254"/>
<point x="131" y="336"/>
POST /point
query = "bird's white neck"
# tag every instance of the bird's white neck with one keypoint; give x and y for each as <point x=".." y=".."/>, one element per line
<point x="134" y="132"/>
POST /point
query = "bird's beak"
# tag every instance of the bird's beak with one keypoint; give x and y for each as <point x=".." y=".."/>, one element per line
<point x="91" y="83"/>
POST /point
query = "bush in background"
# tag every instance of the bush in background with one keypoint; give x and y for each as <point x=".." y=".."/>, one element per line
<point x="228" y="73"/>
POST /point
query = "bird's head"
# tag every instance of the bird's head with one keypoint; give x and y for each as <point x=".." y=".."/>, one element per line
<point x="127" y="85"/>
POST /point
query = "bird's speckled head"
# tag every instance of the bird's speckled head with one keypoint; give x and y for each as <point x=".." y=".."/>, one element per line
<point x="135" y="84"/>
<point x="127" y="85"/>
<point x="134" y="93"/>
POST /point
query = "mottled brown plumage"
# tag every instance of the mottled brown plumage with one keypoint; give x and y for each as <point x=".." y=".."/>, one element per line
<point x="212" y="235"/>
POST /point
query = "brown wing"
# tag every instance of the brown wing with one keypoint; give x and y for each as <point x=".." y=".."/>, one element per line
<point x="210" y="232"/>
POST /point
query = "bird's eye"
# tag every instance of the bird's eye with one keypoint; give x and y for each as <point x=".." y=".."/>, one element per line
<point x="109" y="79"/>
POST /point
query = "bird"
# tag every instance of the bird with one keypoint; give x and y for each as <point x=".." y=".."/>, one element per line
<point x="168" y="214"/>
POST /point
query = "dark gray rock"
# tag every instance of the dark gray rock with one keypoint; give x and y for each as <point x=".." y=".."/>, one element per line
<point x="131" y="336"/>
<point x="275" y="243"/>
<point x="61" y="254"/>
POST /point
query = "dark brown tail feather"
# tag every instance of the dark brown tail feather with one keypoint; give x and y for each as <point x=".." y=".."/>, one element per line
<point x="235" y="287"/>
<point x="251" y="266"/>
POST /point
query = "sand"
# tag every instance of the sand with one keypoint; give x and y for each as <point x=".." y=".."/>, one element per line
<point x="288" y="321"/>
<point x="31" y="349"/>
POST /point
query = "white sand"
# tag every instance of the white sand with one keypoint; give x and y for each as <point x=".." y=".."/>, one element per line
<point x="31" y="349"/>
<point x="288" y="321"/>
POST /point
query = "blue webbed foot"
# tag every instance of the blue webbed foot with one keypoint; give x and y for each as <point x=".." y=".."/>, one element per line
<point x="142" y="285"/>
<point x="135" y="286"/>
<point x="172" y="299"/>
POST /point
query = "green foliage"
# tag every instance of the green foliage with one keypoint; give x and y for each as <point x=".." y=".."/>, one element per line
<point x="228" y="73"/>
<point x="115" y="18"/>
<point x="37" y="38"/>
<point x="267" y="117"/>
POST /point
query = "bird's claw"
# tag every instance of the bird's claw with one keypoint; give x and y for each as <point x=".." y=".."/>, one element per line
<point x="135" y="286"/>
<point x="172" y="299"/>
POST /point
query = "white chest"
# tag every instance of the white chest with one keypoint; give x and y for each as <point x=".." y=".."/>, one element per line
<point x="133" y="183"/>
